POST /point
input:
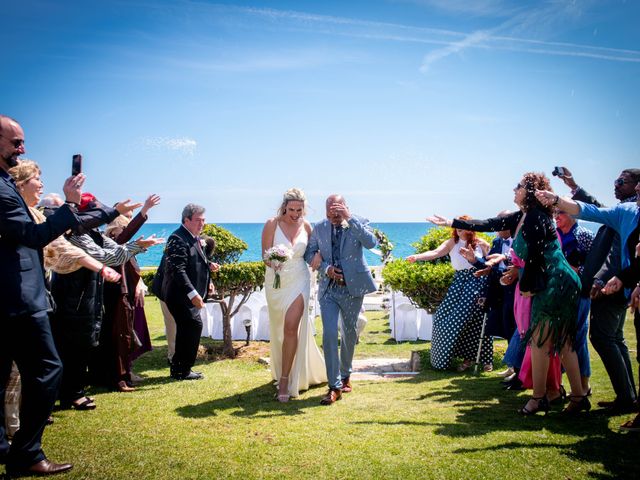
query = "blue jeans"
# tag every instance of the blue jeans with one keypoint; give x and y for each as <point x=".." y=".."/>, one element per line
<point x="581" y="346"/>
<point x="335" y="302"/>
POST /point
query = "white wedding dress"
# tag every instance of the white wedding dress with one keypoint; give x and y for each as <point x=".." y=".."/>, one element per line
<point x="308" y="365"/>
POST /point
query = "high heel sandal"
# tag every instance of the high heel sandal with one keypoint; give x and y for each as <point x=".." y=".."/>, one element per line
<point x="577" y="404"/>
<point x="543" y="405"/>
<point x="283" y="397"/>
<point x="559" y="400"/>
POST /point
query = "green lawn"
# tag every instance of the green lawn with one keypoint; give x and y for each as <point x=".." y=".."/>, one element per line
<point x="436" y="425"/>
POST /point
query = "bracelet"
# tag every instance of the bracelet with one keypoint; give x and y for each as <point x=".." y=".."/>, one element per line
<point x="555" y="202"/>
<point x="101" y="272"/>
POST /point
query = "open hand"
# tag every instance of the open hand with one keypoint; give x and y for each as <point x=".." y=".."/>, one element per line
<point x="126" y="207"/>
<point x="151" y="201"/>
<point x="440" y="221"/>
<point x="483" y="272"/>
<point x="468" y="254"/>
<point x="149" y="242"/>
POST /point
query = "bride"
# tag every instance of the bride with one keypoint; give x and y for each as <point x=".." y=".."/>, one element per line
<point x="296" y="361"/>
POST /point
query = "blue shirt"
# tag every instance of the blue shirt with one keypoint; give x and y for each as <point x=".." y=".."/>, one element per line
<point x="623" y="218"/>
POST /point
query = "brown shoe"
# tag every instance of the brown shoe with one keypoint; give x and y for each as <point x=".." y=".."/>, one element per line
<point x="43" y="467"/>
<point x="123" y="387"/>
<point x="346" y="385"/>
<point x="331" y="397"/>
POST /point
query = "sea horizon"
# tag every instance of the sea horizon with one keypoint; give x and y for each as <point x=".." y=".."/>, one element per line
<point x="401" y="235"/>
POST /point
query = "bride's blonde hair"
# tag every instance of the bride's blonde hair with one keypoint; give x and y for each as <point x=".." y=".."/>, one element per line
<point x="293" y="195"/>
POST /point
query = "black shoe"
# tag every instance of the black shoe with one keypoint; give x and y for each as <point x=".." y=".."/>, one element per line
<point x="616" y="408"/>
<point x="188" y="376"/>
<point x="511" y="378"/>
<point x="542" y="405"/>
<point x="514" y="384"/>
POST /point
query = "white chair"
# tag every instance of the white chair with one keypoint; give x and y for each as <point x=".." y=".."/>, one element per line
<point x="425" y="325"/>
<point x="262" y="329"/>
<point x="238" y="329"/>
<point x="211" y="316"/>
<point x="398" y="298"/>
<point x="404" y="322"/>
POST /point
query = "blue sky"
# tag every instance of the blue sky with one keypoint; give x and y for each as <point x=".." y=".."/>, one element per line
<point x="407" y="107"/>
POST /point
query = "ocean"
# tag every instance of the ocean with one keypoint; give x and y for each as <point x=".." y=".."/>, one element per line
<point x="402" y="235"/>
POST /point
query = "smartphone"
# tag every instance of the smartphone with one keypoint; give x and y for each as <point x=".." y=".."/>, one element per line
<point x="558" y="172"/>
<point x="76" y="164"/>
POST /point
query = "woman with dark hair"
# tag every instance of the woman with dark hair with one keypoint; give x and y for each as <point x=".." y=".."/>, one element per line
<point x="457" y="323"/>
<point x="554" y="287"/>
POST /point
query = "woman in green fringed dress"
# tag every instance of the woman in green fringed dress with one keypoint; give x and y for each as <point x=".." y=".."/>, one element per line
<point x="555" y="288"/>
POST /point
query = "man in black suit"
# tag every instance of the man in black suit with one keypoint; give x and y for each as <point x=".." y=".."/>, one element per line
<point x="608" y="312"/>
<point x="25" y="333"/>
<point x="185" y="285"/>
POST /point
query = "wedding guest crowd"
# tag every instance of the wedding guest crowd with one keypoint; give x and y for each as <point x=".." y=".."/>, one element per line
<point x="72" y="311"/>
<point x="564" y="275"/>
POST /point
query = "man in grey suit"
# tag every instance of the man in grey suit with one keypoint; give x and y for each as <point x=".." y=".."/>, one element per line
<point x="345" y="279"/>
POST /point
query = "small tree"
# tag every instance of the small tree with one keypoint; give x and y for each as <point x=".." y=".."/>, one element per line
<point x="235" y="281"/>
<point x="229" y="248"/>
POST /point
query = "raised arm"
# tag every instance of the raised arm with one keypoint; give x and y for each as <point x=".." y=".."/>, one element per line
<point x="444" y="249"/>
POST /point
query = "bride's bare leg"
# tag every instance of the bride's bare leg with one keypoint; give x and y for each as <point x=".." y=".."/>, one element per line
<point x="290" y="341"/>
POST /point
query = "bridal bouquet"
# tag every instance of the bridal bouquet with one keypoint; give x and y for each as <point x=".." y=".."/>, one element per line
<point x="276" y="256"/>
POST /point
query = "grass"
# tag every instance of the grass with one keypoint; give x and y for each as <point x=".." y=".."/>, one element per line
<point x="435" y="425"/>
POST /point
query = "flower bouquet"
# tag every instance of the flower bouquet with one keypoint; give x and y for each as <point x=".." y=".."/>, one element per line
<point x="276" y="256"/>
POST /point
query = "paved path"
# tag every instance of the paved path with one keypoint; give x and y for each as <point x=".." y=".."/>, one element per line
<point x="376" y="368"/>
<point x="381" y="368"/>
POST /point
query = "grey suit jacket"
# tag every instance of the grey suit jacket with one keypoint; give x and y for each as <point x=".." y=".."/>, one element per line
<point x="355" y="238"/>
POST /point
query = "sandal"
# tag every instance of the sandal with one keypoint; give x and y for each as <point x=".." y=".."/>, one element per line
<point x="560" y="399"/>
<point x="543" y="405"/>
<point x="631" y="425"/>
<point x="83" y="403"/>
<point x="465" y="365"/>
<point x="577" y="404"/>
<point x="123" y="387"/>
<point x="283" y="397"/>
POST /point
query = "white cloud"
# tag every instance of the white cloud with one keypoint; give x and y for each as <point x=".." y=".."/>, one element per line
<point x="184" y="145"/>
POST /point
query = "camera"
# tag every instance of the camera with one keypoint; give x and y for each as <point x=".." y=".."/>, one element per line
<point x="558" y="172"/>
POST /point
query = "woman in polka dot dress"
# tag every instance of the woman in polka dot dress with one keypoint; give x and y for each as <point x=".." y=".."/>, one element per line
<point x="457" y="323"/>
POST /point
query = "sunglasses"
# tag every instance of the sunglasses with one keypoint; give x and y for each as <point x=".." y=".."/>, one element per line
<point x="621" y="181"/>
<point x="519" y="186"/>
<point x="16" y="143"/>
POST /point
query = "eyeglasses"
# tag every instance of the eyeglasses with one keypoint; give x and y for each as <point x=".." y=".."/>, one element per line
<point x="621" y="181"/>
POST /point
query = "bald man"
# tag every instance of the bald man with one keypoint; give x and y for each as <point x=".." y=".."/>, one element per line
<point x="345" y="279"/>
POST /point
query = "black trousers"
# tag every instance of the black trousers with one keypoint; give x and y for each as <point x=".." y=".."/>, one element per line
<point x="607" y="337"/>
<point x="27" y="340"/>
<point x="188" y="332"/>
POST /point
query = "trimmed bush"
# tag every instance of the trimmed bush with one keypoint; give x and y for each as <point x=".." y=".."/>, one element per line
<point x="229" y="248"/>
<point x="425" y="283"/>
<point x="147" y="276"/>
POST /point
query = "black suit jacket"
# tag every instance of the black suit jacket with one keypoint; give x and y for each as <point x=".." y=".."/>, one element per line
<point x="186" y="268"/>
<point x="603" y="261"/>
<point x="21" y="244"/>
